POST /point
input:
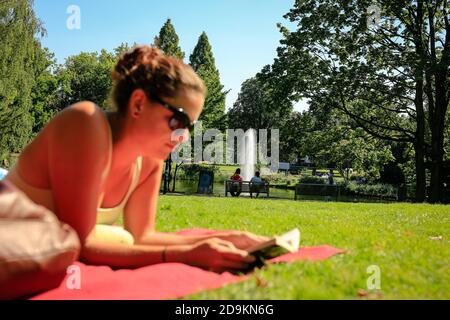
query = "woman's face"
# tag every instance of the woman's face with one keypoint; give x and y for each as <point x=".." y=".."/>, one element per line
<point x="151" y="121"/>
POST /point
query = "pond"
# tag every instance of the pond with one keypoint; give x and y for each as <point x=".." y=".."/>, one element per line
<point x="190" y="187"/>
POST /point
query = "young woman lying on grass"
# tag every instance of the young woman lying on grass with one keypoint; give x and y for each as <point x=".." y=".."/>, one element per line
<point x="90" y="167"/>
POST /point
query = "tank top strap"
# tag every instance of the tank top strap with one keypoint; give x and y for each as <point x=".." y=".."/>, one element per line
<point x="108" y="166"/>
<point x="134" y="182"/>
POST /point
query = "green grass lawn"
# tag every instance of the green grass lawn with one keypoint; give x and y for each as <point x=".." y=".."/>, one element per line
<point x="399" y="238"/>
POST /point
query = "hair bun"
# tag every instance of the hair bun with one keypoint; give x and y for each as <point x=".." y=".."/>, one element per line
<point x="147" y="68"/>
<point x="132" y="59"/>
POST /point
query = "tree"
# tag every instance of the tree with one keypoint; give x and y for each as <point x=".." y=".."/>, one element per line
<point x="202" y="55"/>
<point x="168" y="41"/>
<point x="19" y="31"/>
<point x="338" y="140"/>
<point x="86" y="76"/>
<point x="377" y="75"/>
<point x="203" y="62"/>
<point x="292" y="146"/>
<point x="45" y="91"/>
<point x="122" y="48"/>
<point x="258" y="106"/>
<point x="249" y="109"/>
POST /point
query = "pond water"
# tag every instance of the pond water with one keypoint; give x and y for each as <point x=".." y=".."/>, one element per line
<point x="190" y="187"/>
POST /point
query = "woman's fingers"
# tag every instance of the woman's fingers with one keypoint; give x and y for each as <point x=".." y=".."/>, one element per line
<point x="220" y="255"/>
<point x="224" y="243"/>
<point x="244" y="240"/>
<point x="231" y="253"/>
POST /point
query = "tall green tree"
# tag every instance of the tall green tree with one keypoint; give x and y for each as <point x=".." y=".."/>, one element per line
<point x="86" y="76"/>
<point x="202" y="55"/>
<point x="203" y="62"/>
<point x="45" y="91"/>
<point x="391" y="76"/>
<point x="292" y="146"/>
<point x="259" y="106"/>
<point x="122" y="48"/>
<point x="337" y="140"/>
<point x="168" y="41"/>
<point x="19" y="37"/>
<point x="249" y="110"/>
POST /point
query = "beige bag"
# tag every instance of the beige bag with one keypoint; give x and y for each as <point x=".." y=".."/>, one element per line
<point x="35" y="247"/>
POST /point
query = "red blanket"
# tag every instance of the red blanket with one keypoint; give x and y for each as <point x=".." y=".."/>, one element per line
<point x="160" y="281"/>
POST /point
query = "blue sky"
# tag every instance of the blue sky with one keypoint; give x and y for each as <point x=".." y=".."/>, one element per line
<point x="243" y="33"/>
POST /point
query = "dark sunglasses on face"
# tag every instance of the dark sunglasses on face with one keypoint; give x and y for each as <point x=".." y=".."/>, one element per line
<point x="179" y="119"/>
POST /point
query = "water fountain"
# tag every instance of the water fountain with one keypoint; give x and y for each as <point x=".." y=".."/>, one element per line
<point x="248" y="167"/>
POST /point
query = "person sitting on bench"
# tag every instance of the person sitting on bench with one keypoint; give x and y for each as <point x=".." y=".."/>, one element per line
<point x="236" y="187"/>
<point x="255" y="183"/>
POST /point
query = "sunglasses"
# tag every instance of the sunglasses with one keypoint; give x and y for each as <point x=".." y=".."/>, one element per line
<point x="180" y="119"/>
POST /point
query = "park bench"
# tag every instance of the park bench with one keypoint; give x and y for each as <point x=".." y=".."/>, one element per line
<point x="317" y="189"/>
<point x="246" y="187"/>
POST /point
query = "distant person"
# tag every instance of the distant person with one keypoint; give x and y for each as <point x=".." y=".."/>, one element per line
<point x="330" y="178"/>
<point x="256" y="183"/>
<point x="236" y="185"/>
<point x="205" y="182"/>
<point x="237" y="175"/>
<point x="256" y="179"/>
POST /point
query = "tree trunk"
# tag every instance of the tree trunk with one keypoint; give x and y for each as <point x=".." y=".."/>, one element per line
<point x="438" y="104"/>
<point x="177" y="166"/>
<point x="419" y="143"/>
<point x="437" y="142"/>
<point x="420" y="172"/>
<point x="436" y="181"/>
<point x="167" y="170"/>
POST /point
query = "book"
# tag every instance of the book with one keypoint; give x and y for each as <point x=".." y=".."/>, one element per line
<point x="276" y="246"/>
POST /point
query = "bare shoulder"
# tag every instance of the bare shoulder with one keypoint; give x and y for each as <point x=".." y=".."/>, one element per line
<point x="82" y="127"/>
<point x="82" y="111"/>
<point x="83" y="118"/>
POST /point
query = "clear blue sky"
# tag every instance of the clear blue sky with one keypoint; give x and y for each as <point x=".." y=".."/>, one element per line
<point x="243" y="33"/>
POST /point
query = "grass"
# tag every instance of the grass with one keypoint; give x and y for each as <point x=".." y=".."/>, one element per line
<point x="396" y="237"/>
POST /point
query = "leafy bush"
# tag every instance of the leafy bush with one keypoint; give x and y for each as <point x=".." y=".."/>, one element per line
<point x="191" y="171"/>
<point x="280" y="179"/>
<point x="358" y="179"/>
<point x="312" y="179"/>
<point x="376" y="190"/>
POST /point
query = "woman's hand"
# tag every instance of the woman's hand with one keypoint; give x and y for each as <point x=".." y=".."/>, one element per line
<point x="213" y="254"/>
<point x="241" y="239"/>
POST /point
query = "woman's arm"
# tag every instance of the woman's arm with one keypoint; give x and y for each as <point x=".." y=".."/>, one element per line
<point x="140" y="215"/>
<point x="118" y="255"/>
<point x="77" y="156"/>
<point x="215" y="254"/>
